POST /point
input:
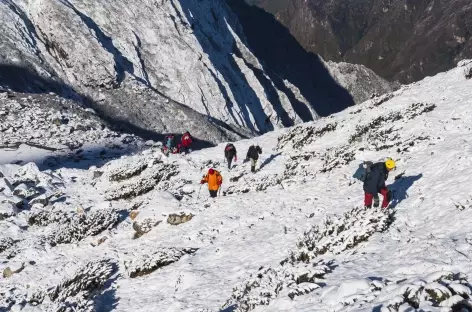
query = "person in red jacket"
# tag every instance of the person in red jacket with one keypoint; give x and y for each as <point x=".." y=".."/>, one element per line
<point x="186" y="142"/>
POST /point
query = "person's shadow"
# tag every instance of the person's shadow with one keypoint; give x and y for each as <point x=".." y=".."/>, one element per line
<point x="400" y="187"/>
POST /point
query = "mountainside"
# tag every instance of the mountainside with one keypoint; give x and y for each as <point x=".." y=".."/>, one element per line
<point x="162" y="66"/>
<point x="139" y="233"/>
<point x="399" y="40"/>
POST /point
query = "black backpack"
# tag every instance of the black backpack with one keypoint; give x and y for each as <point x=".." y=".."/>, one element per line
<point x="363" y="171"/>
<point x="229" y="150"/>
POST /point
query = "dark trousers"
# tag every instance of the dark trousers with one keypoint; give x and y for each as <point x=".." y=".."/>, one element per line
<point x="229" y="160"/>
<point x="253" y="164"/>
<point x="213" y="194"/>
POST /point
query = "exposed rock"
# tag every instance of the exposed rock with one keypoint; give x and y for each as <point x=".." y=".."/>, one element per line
<point x="7" y="210"/>
<point x="176" y="219"/>
<point x="100" y="241"/>
<point x="13" y="269"/>
<point x="144" y="226"/>
<point x="7" y="272"/>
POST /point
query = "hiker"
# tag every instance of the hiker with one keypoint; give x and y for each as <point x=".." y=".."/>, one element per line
<point x="177" y="149"/>
<point x="374" y="183"/>
<point x="253" y="155"/>
<point x="170" y="142"/>
<point x="230" y="153"/>
<point x="168" y="145"/>
<point x="186" y="142"/>
<point x="214" y="180"/>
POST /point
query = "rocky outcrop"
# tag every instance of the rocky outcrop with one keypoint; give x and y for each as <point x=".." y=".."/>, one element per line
<point x="83" y="225"/>
<point x="391" y="37"/>
<point x="183" y="65"/>
<point x="155" y="260"/>
<point x="167" y="71"/>
<point x="361" y="82"/>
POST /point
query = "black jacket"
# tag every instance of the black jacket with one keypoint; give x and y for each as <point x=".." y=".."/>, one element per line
<point x="230" y="151"/>
<point x="253" y="152"/>
<point x="376" y="178"/>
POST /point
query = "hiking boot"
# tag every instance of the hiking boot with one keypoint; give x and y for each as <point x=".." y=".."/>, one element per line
<point x="376" y="202"/>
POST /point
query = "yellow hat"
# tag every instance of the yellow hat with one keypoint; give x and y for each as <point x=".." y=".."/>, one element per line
<point x="390" y="164"/>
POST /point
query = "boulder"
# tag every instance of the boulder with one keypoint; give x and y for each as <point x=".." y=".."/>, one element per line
<point x="5" y="186"/>
<point x="24" y="191"/>
<point x="41" y="199"/>
<point x="7" y="210"/>
<point x="176" y="219"/>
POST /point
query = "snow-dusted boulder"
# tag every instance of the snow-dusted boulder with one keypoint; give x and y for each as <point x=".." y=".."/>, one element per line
<point x="83" y="225"/>
<point x="336" y="234"/>
<point x="7" y="209"/>
<point x="143" y="183"/>
<point x="176" y="219"/>
<point x="125" y="169"/>
<point x="150" y="262"/>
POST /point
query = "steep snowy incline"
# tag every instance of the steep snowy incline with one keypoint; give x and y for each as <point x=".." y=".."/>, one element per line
<point x="139" y="234"/>
<point x="165" y="66"/>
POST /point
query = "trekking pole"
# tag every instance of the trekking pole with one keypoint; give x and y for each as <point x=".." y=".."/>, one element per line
<point x="198" y="196"/>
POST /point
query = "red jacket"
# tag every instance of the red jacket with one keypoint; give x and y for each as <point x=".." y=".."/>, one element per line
<point x="186" y="140"/>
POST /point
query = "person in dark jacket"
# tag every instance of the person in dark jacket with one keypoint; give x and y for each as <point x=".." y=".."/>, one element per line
<point x="253" y="155"/>
<point x="230" y="154"/>
<point x="375" y="183"/>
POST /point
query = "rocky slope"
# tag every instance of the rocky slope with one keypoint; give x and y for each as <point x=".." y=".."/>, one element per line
<point x="284" y="56"/>
<point x="163" y="66"/>
<point x="399" y="40"/>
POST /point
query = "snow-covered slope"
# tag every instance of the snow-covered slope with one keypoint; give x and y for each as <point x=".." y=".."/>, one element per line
<point x="139" y="234"/>
<point x="163" y="66"/>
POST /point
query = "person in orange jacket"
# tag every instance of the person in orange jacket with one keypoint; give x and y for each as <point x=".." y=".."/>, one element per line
<point x="214" y="180"/>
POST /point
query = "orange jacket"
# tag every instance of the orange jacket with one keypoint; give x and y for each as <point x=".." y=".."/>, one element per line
<point x="214" y="180"/>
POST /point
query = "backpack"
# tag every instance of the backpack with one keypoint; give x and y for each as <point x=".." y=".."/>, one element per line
<point x="229" y="149"/>
<point x="170" y="142"/>
<point x="363" y="171"/>
<point x="187" y="137"/>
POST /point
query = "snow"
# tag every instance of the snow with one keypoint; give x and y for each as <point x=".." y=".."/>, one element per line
<point x="291" y="237"/>
<point x="169" y="70"/>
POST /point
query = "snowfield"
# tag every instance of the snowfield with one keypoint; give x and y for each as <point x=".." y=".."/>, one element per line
<point x="138" y="233"/>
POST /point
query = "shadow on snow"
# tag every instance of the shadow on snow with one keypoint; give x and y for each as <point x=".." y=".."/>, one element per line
<point x="400" y="188"/>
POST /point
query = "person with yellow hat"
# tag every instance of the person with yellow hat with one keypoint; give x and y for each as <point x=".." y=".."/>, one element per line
<point x="374" y="183"/>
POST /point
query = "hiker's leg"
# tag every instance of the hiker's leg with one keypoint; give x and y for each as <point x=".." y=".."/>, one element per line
<point x="386" y="197"/>
<point x="368" y="200"/>
<point x="253" y="165"/>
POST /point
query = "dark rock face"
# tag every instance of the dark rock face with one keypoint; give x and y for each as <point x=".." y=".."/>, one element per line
<point x="400" y="40"/>
<point x="287" y="60"/>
